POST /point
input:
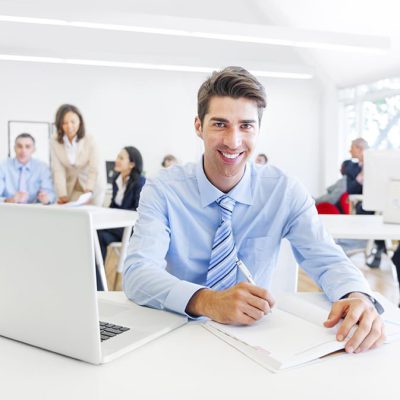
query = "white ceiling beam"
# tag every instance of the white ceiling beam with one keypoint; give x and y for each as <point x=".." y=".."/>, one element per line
<point x="225" y="30"/>
<point x="280" y="72"/>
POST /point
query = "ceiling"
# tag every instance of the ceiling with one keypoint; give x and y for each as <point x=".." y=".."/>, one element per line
<point x="355" y="17"/>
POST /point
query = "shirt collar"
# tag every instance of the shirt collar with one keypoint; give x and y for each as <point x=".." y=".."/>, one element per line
<point x="18" y="165"/>
<point x="120" y="183"/>
<point x="241" y="193"/>
<point x="68" y="143"/>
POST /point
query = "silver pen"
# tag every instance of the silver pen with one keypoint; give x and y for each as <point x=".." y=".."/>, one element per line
<point x="245" y="271"/>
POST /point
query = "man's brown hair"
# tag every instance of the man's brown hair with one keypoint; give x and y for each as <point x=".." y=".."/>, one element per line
<point x="233" y="82"/>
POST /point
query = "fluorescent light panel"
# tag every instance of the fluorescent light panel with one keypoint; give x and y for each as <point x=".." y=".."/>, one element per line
<point x="225" y="30"/>
<point x="149" y="66"/>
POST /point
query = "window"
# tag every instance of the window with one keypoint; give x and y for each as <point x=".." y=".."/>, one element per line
<point x="372" y="111"/>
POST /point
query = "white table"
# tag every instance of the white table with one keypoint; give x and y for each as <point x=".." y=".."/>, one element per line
<point x="108" y="218"/>
<point x="360" y="227"/>
<point x="191" y="363"/>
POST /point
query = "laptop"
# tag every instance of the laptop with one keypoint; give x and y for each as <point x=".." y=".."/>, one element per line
<point x="48" y="292"/>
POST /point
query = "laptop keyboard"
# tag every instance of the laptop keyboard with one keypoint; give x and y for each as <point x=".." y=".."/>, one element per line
<point x="108" y="331"/>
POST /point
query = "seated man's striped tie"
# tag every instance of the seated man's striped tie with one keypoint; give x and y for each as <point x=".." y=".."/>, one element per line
<point x="222" y="271"/>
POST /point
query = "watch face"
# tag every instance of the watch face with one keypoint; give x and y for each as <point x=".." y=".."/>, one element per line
<point x="376" y="304"/>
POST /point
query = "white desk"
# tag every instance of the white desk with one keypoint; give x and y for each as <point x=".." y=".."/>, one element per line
<point x="108" y="218"/>
<point x="360" y="227"/>
<point x="191" y="363"/>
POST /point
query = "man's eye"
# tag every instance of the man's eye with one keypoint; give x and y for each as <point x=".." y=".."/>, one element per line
<point x="247" y="126"/>
<point x="219" y="124"/>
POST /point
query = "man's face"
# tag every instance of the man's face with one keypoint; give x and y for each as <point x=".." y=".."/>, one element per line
<point x="260" y="160"/>
<point x="24" y="148"/>
<point x="229" y="132"/>
<point x="355" y="151"/>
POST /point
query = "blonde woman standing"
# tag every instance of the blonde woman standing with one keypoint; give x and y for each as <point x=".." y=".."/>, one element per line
<point x="75" y="160"/>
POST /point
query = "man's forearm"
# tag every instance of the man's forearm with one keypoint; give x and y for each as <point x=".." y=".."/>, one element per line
<point x="148" y="284"/>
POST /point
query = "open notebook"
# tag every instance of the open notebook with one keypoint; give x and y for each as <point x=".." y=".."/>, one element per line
<point x="293" y="334"/>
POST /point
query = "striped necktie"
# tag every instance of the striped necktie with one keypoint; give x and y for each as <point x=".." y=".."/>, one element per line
<point x="22" y="179"/>
<point x="222" y="269"/>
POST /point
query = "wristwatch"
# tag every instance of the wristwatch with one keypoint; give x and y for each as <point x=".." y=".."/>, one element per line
<point x="375" y="302"/>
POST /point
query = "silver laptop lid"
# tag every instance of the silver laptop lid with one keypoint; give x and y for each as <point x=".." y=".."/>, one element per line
<point x="47" y="280"/>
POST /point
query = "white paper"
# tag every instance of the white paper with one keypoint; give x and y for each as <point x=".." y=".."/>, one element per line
<point x="303" y="308"/>
<point x="281" y="334"/>
<point x="83" y="199"/>
<point x="293" y="334"/>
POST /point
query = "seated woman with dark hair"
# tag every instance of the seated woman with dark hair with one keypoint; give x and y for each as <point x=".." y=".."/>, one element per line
<point x="127" y="185"/>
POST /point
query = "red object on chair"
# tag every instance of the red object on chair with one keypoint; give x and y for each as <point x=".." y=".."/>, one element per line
<point x="344" y="203"/>
<point x="329" y="208"/>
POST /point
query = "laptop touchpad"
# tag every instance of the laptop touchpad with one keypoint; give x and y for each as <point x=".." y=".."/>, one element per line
<point x="109" y="309"/>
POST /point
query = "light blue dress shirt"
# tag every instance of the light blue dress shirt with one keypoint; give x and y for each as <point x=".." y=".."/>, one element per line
<point x="170" y="250"/>
<point x="38" y="178"/>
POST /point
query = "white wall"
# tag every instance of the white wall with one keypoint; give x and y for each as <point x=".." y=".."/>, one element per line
<point x="291" y="129"/>
<point x="332" y="136"/>
<point x="154" y="111"/>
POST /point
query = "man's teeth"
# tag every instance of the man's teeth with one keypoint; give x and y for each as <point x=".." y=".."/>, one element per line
<point x="227" y="155"/>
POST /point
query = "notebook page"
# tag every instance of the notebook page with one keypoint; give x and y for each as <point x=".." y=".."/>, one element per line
<point x="303" y="308"/>
<point x="281" y="334"/>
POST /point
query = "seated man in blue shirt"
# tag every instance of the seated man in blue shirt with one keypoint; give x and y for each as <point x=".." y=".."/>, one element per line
<point x="24" y="179"/>
<point x="198" y="222"/>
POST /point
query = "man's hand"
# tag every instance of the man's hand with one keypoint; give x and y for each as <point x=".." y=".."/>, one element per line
<point x="43" y="197"/>
<point x="242" y="304"/>
<point x="19" y="197"/>
<point x="63" y="200"/>
<point x="357" y="309"/>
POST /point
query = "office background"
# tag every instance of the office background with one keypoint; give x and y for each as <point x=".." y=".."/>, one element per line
<point x="350" y="86"/>
<point x="302" y="130"/>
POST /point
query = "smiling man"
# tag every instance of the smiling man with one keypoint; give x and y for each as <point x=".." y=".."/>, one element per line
<point x="198" y="224"/>
<point x="24" y="179"/>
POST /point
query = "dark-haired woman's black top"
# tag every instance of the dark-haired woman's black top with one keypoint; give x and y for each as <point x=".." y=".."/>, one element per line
<point x="130" y="201"/>
<point x="131" y="197"/>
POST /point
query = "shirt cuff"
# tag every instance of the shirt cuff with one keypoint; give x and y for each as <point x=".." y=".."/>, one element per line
<point x="347" y="289"/>
<point x="179" y="297"/>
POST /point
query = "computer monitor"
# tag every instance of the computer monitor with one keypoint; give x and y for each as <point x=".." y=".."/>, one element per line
<point x="380" y="167"/>
<point x="110" y="171"/>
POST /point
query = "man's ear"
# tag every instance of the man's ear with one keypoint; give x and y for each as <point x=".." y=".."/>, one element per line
<point x="198" y="128"/>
